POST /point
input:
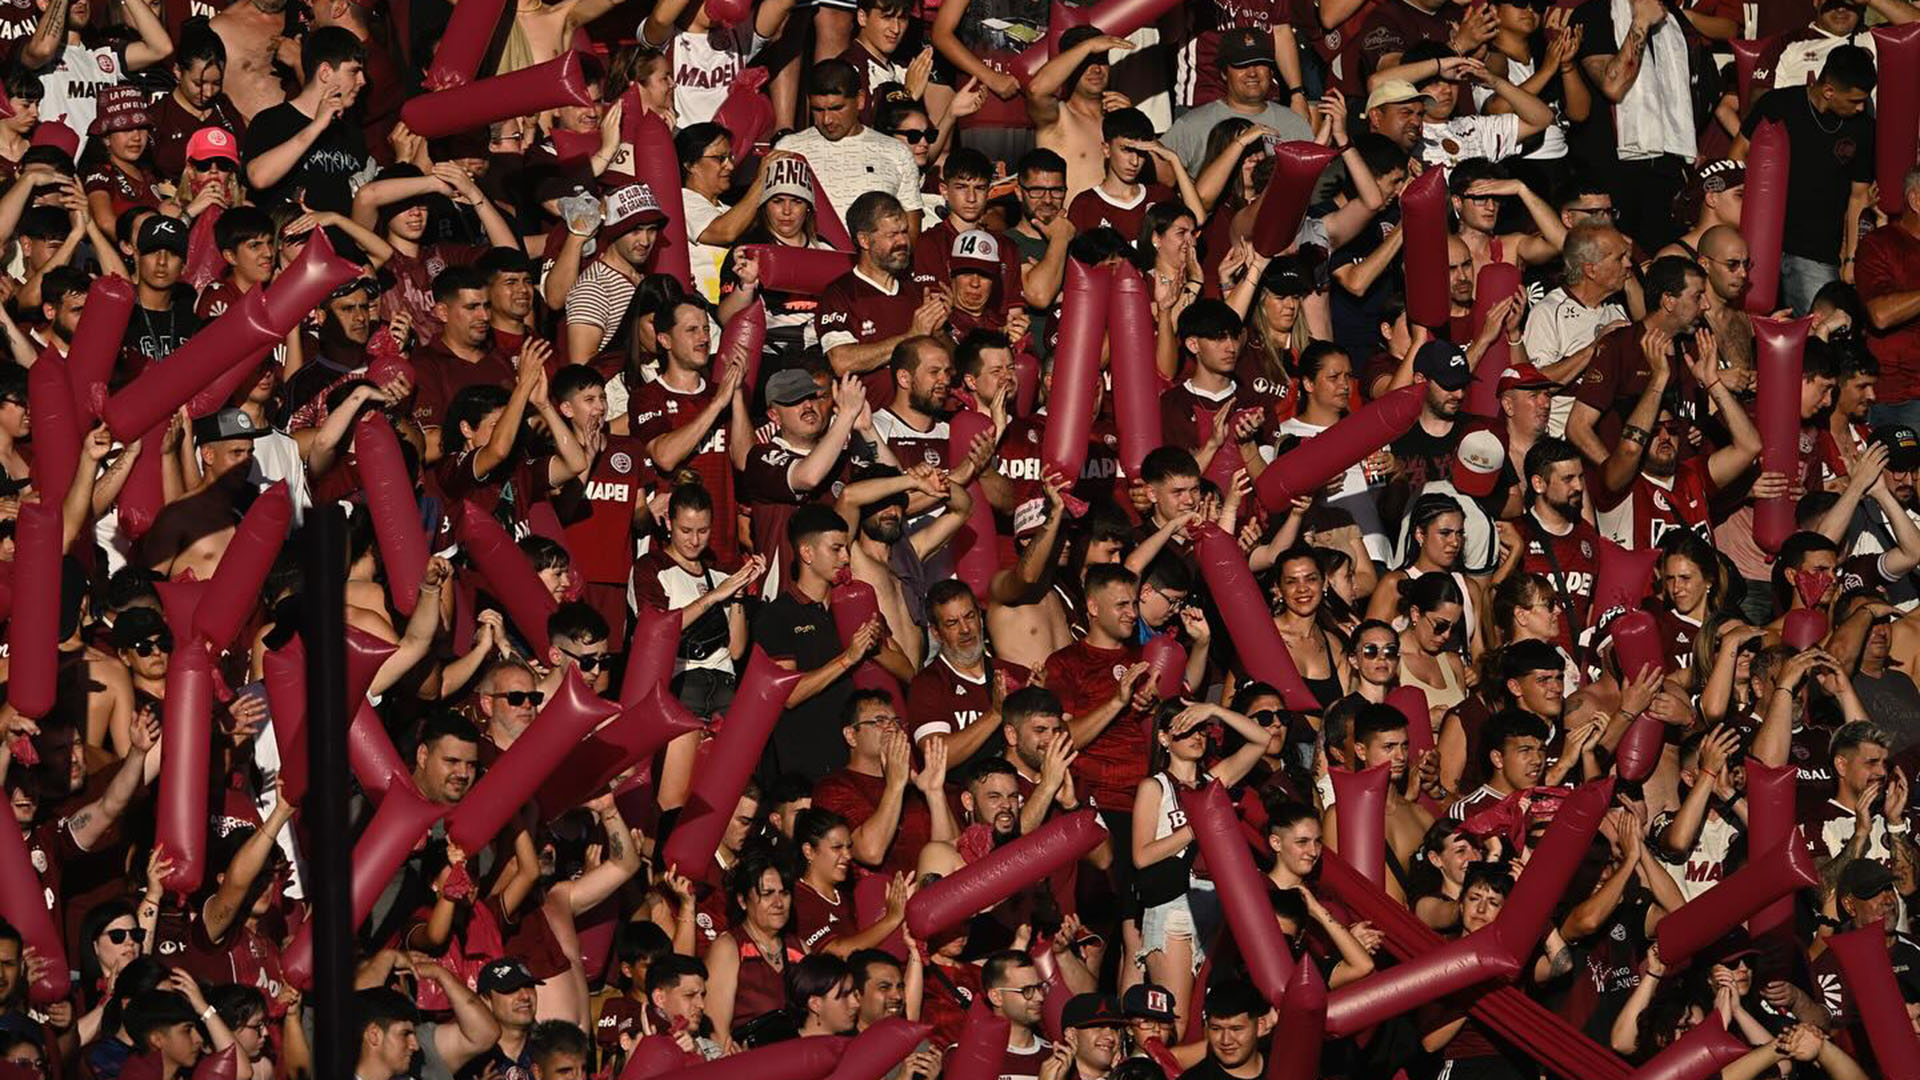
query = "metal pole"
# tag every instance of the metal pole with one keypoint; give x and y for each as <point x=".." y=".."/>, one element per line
<point x="323" y="632"/>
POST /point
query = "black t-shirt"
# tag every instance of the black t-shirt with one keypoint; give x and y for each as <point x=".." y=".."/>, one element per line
<point x="1209" y="1069"/>
<point x="807" y="739"/>
<point x="1827" y="155"/>
<point x="323" y="172"/>
<point x="153" y="335"/>
<point x="1356" y="319"/>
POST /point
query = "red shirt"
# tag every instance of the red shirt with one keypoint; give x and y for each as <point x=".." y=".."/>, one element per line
<point x="656" y="409"/>
<point x="1646" y="511"/>
<point x="1019" y="459"/>
<point x="440" y="375"/>
<point x="1612" y="383"/>
<point x="818" y="920"/>
<point x="597" y="510"/>
<point x="764" y="488"/>
<point x="1113" y="764"/>
<point x="854" y="306"/>
<point x="941" y="701"/>
<point x="126" y="191"/>
<point x="1888" y="261"/>
<point x="933" y="257"/>
<point x="856" y="796"/>
<point x="1093" y="208"/>
<point x="1571" y="566"/>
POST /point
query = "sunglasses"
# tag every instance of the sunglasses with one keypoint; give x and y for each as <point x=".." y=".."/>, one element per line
<point x="120" y="936"/>
<point x="518" y="698"/>
<point x="1265" y="717"/>
<point x="1676" y="428"/>
<point x="1391" y="652"/>
<point x="589" y="662"/>
<point x="218" y="164"/>
<point x="914" y="135"/>
<point x="1442" y="627"/>
<point x="153" y="645"/>
<point x="1734" y="264"/>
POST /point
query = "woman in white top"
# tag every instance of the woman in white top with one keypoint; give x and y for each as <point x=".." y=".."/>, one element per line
<point x="1182" y="912"/>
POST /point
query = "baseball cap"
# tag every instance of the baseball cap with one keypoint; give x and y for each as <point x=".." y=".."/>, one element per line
<point x="1395" y="92"/>
<point x="1902" y="443"/>
<point x="1145" y="1001"/>
<point x="122" y="107"/>
<point x="1477" y="462"/>
<point x="788" y="176"/>
<point x="1246" y="48"/>
<point x="628" y="207"/>
<point x="212" y="142"/>
<point x="138" y="624"/>
<point x="224" y="425"/>
<point x="1092" y="1010"/>
<point x="162" y="233"/>
<point x="791" y="387"/>
<point x="975" y="251"/>
<point x="1525" y="377"/>
<point x="1735" y="944"/>
<point x="1444" y="363"/>
<point x="504" y="976"/>
<point x="1864" y="879"/>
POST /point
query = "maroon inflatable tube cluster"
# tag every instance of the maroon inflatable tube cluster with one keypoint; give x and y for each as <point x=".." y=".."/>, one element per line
<point x="96" y="341"/>
<point x="463" y="45"/>
<point x="1248" y="619"/>
<point x="745" y="336"/>
<point x="1896" y="128"/>
<point x="58" y="427"/>
<point x="656" y="165"/>
<point x="1775" y="874"/>
<point x="144" y="495"/>
<point x="656" y="1055"/>
<point x="285" y="672"/>
<point x="763" y="692"/>
<point x="1779" y="348"/>
<point x="976" y="547"/>
<point x="1242" y="888"/>
<point x="1524" y="918"/>
<point x="1698" y="1055"/>
<point x="1637" y="649"/>
<point x="1411" y="702"/>
<point x="875" y="1051"/>
<point x="23" y="902"/>
<point x="180" y="818"/>
<point x="1302" y="1027"/>
<point x="651" y="650"/>
<point x="239" y="337"/>
<point x="397" y="527"/>
<point x="981" y="884"/>
<point x="801" y="271"/>
<point x="1763" y="221"/>
<point x="558" y="83"/>
<point x="1116" y="17"/>
<point x="1297" y="166"/>
<point x="794" y="1059"/>
<point x="1424" y="210"/>
<point x="1308" y="467"/>
<point x="1803" y="629"/>
<point x="371" y="755"/>
<point x="1131" y="335"/>
<point x="1085" y="305"/>
<point x="1625" y="577"/>
<point x="1746" y="59"/>
<point x="235" y="589"/>
<point x="1771" y="820"/>
<point x="1166" y="661"/>
<point x="632" y="738"/>
<point x="982" y="1045"/>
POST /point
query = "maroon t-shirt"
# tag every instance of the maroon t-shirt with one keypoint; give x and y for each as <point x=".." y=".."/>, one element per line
<point x="173" y="125"/>
<point x="856" y="796"/>
<point x="597" y="510"/>
<point x="818" y="920"/>
<point x="439" y="375"/>
<point x="126" y="191"/>
<point x="941" y="701"/>
<point x="764" y="488"/>
<point x="933" y="257"/>
<point x="1093" y="208"/>
<point x="656" y="409"/>
<point x="1396" y="26"/>
<point x="1571" y="565"/>
<point x="407" y="283"/>
<point x="853" y="305"/>
<point x="1111" y="766"/>
<point x="1619" y="372"/>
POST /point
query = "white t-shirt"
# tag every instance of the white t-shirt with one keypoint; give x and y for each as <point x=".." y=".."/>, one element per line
<point x="705" y="67"/>
<point x="1558" y="327"/>
<point x="1491" y="137"/>
<point x="1355" y="497"/>
<point x="705" y="257"/>
<point x="1553" y="141"/>
<point x="1800" y="61"/>
<point x="862" y="162"/>
<point x="72" y="84"/>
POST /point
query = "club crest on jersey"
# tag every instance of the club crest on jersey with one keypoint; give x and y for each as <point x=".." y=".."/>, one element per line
<point x="621" y="461"/>
<point x="1586" y="549"/>
<point x="1119" y="672"/>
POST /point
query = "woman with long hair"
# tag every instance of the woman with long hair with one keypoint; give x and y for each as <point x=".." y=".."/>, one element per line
<point x="1690" y="584"/>
<point x="646" y="69"/>
<point x="785" y="217"/>
<point x="1436" y="535"/>
<point x="1434" y="607"/>
<point x="823" y="914"/>
<point x="1167" y="252"/>
<point x="1269" y="367"/>
<point x="1180" y="909"/>
<point x="1318" y="651"/>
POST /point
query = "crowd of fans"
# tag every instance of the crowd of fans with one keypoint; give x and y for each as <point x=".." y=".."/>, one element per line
<point x="512" y="324"/>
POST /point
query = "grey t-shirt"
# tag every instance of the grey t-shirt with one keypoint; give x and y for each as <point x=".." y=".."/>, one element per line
<point x="1188" y="136"/>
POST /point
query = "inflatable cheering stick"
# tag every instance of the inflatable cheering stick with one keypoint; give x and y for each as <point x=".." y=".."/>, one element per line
<point x="981" y="884"/>
<point x="757" y="704"/>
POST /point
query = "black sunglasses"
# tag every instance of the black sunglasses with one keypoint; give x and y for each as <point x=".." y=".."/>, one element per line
<point x="1442" y="627"/>
<point x="517" y="698"/>
<point x="153" y="645"/>
<point x="120" y="935"/>
<point x="1265" y="717"/>
<point x="1374" y="651"/>
<point x="914" y="135"/>
<point x="590" y="663"/>
<point x="218" y="164"/>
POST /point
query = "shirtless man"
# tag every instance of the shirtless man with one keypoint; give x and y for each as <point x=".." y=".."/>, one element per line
<point x="1723" y="255"/>
<point x="1480" y="189"/>
<point x="192" y="533"/>
<point x="1027" y="616"/>
<point x="875" y="509"/>
<point x="255" y="34"/>
<point x="1071" y="127"/>
<point x="1380" y="736"/>
<point x="545" y="30"/>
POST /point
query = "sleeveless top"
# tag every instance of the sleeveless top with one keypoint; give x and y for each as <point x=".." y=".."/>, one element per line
<point x="1326" y="690"/>
<point x="1466" y="604"/>
<point x="759" y="988"/>
<point x="1448" y="694"/>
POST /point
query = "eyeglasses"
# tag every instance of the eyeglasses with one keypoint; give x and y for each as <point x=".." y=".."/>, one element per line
<point x="1031" y="991"/>
<point x="590" y="661"/>
<point x="1391" y="652"/>
<point x="518" y="698"/>
<point x="1734" y="264"/>
<point x="713" y="157"/>
<point x="913" y="135"/>
<point x="1607" y="212"/>
<point x="218" y="164"/>
<point x="1441" y="627"/>
<point x="1036" y="191"/>
<point x="258" y="1023"/>
<point x="153" y="645"/>
<point x="876" y="721"/>
<point x="120" y="935"/>
<point x="1675" y="428"/>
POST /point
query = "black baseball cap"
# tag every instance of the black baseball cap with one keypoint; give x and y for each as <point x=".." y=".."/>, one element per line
<point x="1145" y="1001"/>
<point x="226" y="424"/>
<point x="1864" y="879"/>
<point x="1902" y="443"/>
<point x="1092" y="1010"/>
<point x="1246" y="48"/>
<point x="161" y="233"/>
<point x="138" y="624"/>
<point x="504" y="976"/>
<point x="1444" y="363"/>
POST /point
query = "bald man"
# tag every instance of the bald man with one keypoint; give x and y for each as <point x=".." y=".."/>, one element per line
<point x="1724" y="256"/>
